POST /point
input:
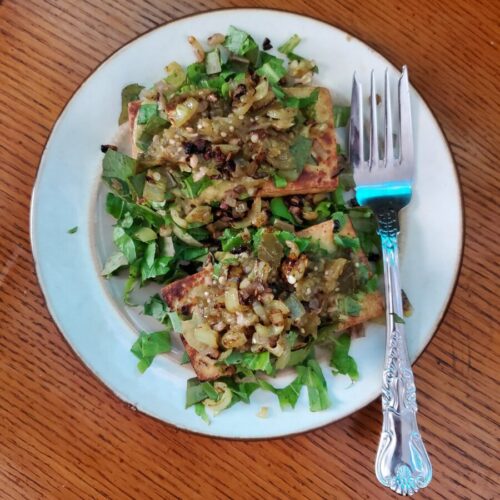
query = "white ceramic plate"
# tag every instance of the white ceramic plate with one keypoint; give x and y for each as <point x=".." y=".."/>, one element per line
<point x="88" y="309"/>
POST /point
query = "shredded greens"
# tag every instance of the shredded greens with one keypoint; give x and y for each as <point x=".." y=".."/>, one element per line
<point x="167" y="224"/>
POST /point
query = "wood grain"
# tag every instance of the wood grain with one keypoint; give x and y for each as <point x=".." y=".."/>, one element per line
<point x="64" y="435"/>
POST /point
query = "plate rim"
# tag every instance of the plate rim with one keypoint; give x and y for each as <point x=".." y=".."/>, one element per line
<point x="34" y="197"/>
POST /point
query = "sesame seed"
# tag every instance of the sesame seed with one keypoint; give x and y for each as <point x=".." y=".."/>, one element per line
<point x="308" y="291"/>
<point x="231" y="128"/>
<point x="254" y="138"/>
<point x="156" y="176"/>
<point x="315" y="268"/>
<point x="189" y="129"/>
<point x="240" y="117"/>
<point x="206" y="294"/>
<point x="171" y="142"/>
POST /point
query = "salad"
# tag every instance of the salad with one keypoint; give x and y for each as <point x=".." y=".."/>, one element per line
<point x="236" y="200"/>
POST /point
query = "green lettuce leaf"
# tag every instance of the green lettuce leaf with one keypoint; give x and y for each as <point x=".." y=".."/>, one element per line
<point x="129" y="93"/>
<point x="148" y="345"/>
<point x="340" y="360"/>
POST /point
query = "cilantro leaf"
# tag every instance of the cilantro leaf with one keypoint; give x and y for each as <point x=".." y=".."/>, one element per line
<point x="340" y="360"/>
<point x="73" y="230"/>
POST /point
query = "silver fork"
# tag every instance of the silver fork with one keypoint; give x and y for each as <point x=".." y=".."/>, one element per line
<point x="385" y="185"/>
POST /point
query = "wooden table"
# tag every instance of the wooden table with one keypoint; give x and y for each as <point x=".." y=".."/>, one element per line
<point x="64" y="435"/>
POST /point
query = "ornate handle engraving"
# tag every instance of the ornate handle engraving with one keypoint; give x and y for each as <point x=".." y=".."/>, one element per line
<point x="402" y="463"/>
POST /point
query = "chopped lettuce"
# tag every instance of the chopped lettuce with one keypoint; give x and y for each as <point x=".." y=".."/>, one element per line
<point x="301" y="152"/>
<point x="146" y="112"/>
<point x="273" y="68"/>
<point x="148" y="345"/>
<point x="117" y="165"/>
<point x="341" y="115"/>
<point x="317" y="390"/>
<point x="341" y="361"/>
<point x="129" y="93"/>
<point x="279" y="209"/>
<point x="289" y="45"/>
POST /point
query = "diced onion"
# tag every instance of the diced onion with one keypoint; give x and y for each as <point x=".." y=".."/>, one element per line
<point x="231" y="299"/>
<point x="259" y="310"/>
<point x="205" y="335"/>
<point x="184" y="112"/>
<point x="169" y="246"/>
<point x="247" y="221"/>
<point x="178" y="219"/>
<point x="261" y="90"/>
<point x="224" y="399"/>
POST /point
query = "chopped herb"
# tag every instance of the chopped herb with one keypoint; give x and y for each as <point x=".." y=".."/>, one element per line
<point x="350" y="306"/>
<point x="117" y="165"/>
<point x="125" y="243"/>
<point x="185" y="358"/>
<point x="301" y="152"/>
<point x="272" y="68"/>
<point x="156" y="308"/>
<point x="175" y="321"/>
<point x="344" y="241"/>
<point x="73" y="230"/>
<point x="341" y="217"/>
<point x="397" y="318"/>
<point x="231" y="239"/>
<point x="192" y="188"/>
<point x="341" y="115"/>
<point x="153" y="127"/>
<point x="251" y="361"/>
<point x="341" y="361"/>
<point x="114" y="262"/>
<point x="146" y="112"/>
<point x="300" y="102"/>
<point x="200" y="410"/>
<point x="289" y="45"/>
<point x="147" y="346"/>
<point x="212" y="62"/>
<point x="279" y="182"/>
<point x="312" y="377"/>
<point x="279" y="209"/>
<point x="129" y="93"/>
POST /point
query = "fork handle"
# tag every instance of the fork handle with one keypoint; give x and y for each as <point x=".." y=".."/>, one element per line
<point x="402" y="463"/>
